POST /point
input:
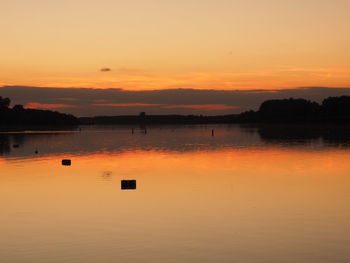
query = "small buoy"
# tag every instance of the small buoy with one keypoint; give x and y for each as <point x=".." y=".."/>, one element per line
<point x="36" y="151"/>
<point x="128" y="184"/>
<point x="66" y="162"/>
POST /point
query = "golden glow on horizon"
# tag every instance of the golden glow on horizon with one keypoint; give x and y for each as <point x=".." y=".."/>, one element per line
<point x="277" y="161"/>
<point x="212" y="206"/>
<point x="151" y="44"/>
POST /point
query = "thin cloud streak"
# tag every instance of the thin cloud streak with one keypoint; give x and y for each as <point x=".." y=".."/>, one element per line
<point x="105" y="69"/>
<point x="126" y="105"/>
<point x="37" y="105"/>
<point x="208" y="107"/>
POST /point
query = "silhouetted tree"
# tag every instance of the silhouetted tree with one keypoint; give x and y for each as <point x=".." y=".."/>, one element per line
<point x="336" y="109"/>
<point x="18" y="107"/>
<point x="248" y="116"/>
<point x="4" y="103"/>
<point x="18" y="115"/>
<point x="288" y="110"/>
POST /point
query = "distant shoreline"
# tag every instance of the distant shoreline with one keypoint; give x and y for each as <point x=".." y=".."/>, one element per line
<point x="286" y="111"/>
<point x="190" y="120"/>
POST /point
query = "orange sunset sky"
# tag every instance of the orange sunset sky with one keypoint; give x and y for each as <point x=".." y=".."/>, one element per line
<point x="182" y="44"/>
<point x="159" y="44"/>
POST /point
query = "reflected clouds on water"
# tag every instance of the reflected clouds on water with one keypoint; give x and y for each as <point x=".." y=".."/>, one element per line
<point x="116" y="139"/>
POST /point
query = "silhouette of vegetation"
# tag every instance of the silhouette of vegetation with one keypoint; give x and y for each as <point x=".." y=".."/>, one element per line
<point x="332" y="109"/>
<point x="18" y="115"/>
<point x="336" y="109"/>
<point x="4" y="103"/>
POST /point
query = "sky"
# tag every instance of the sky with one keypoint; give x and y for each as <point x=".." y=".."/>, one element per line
<point x="148" y="45"/>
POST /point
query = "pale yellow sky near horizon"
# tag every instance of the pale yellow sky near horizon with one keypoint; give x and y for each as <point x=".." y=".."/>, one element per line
<point x="163" y="44"/>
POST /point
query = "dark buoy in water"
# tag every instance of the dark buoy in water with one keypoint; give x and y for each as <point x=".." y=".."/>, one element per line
<point x="36" y="152"/>
<point x="212" y="132"/>
<point x="15" y="146"/>
<point x="128" y="184"/>
<point x="66" y="162"/>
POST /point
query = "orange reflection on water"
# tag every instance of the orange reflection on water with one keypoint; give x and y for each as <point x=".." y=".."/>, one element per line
<point x="211" y="206"/>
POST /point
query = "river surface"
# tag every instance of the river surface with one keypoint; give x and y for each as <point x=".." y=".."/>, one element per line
<point x="247" y="194"/>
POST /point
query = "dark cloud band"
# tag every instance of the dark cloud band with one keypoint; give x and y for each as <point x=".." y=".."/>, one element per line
<point x="89" y="102"/>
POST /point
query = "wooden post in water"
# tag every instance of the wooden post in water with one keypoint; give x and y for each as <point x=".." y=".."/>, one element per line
<point x="212" y="132"/>
<point x="132" y="131"/>
<point x="145" y="130"/>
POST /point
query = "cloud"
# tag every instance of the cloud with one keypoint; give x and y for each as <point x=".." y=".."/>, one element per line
<point x="126" y="105"/>
<point x="90" y="102"/>
<point x="68" y="99"/>
<point x="36" y="105"/>
<point x="207" y="107"/>
<point x="105" y="69"/>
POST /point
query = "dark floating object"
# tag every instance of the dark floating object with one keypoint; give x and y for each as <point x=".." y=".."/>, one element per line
<point x="128" y="184"/>
<point x="15" y="146"/>
<point x="212" y="132"/>
<point x="36" y="152"/>
<point x="66" y="162"/>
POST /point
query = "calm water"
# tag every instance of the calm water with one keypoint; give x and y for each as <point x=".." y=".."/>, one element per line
<point x="248" y="194"/>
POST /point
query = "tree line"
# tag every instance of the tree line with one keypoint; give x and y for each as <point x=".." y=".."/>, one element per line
<point x="331" y="110"/>
<point x="18" y="115"/>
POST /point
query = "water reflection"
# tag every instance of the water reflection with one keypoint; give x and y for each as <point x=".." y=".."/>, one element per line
<point x="107" y="175"/>
<point x="224" y="205"/>
<point x="240" y="196"/>
<point x="171" y="138"/>
<point x="4" y="145"/>
<point x="330" y="136"/>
